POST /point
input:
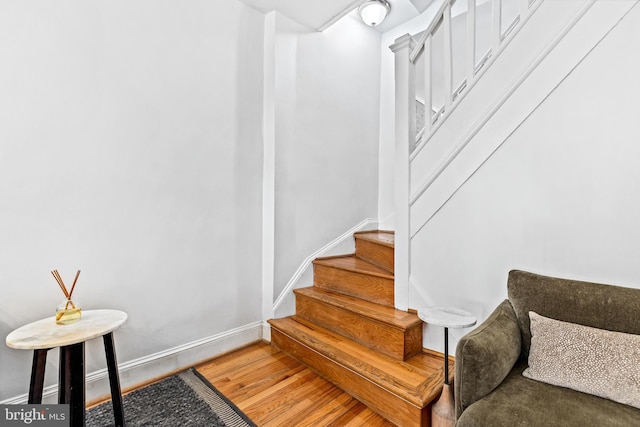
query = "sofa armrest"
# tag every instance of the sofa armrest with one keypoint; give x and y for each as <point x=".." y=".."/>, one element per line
<point x="485" y="356"/>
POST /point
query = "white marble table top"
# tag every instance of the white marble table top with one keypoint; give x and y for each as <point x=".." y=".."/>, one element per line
<point x="46" y="333"/>
<point x="447" y="317"/>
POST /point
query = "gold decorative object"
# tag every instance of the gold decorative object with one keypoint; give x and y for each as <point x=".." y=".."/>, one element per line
<point x="67" y="312"/>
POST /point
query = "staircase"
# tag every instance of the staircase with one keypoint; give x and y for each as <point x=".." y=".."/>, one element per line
<point x="347" y="329"/>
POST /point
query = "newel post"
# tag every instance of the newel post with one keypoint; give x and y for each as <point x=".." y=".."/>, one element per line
<point x="405" y="134"/>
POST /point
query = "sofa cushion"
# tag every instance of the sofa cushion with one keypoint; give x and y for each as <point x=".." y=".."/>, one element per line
<point x="586" y="359"/>
<point x="614" y="308"/>
<point x="520" y="401"/>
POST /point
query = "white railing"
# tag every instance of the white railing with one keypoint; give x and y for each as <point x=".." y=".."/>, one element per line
<point x="442" y="28"/>
<point x="437" y="68"/>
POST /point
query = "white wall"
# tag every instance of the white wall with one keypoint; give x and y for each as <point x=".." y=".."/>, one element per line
<point x="326" y="153"/>
<point x="559" y="197"/>
<point x="130" y="148"/>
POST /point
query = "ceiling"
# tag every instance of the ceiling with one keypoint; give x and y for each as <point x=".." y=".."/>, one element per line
<point x="320" y="14"/>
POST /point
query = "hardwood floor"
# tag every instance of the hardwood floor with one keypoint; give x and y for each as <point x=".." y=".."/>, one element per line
<point x="274" y="389"/>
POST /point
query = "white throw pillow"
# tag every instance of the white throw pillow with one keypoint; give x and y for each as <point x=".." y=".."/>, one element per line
<point x="590" y="360"/>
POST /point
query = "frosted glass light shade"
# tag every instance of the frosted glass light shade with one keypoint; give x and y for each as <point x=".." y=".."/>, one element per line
<point x="373" y="12"/>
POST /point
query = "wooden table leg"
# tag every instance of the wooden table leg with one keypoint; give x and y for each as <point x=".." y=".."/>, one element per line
<point x="114" y="379"/>
<point x="71" y="388"/>
<point x="443" y="411"/>
<point x="37" y="376"/>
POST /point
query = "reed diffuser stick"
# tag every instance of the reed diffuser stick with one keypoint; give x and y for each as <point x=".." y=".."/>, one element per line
<point x="56" y="275"/>
<point x="71" y="292"/>
<point x="60" y="283"/>
<point x="74" y="284"/>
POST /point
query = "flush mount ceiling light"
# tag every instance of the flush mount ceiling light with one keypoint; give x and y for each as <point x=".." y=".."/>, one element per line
<point x="373" y="12"/>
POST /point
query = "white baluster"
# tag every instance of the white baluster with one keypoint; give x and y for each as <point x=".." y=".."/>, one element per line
<point x="428" y="90"/>
<point x="448" y="57"/>
<point x="496" y="25"/>
<point x="471" y="40"/>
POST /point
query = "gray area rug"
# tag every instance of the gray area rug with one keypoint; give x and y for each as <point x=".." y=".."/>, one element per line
<point x="185" y="399"/>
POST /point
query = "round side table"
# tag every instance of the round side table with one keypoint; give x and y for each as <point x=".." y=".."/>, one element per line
<point x="443" y="411"/>
<point x="45" y="334"/>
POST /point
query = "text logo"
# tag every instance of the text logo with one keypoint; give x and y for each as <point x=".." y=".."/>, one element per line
<point x="34" y="415"/>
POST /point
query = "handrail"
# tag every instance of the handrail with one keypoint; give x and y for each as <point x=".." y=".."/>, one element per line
<point x="435" y="22"/>
<point x="453" y="91"/>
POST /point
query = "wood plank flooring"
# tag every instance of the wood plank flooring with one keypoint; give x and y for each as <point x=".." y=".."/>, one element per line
<point x="274" y="389"/>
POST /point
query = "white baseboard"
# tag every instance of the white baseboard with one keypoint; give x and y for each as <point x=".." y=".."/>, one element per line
<point x="147" y="368"/>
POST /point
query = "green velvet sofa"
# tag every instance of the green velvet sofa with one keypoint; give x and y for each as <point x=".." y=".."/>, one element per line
<point x="490" y="390"/>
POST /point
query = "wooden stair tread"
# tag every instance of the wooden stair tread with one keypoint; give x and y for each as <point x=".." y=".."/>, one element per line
<point x="354" y="264"/>
<point x="388" y="315"/>
<point x="386" y="238"/>
<point x="417" y="380"/>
